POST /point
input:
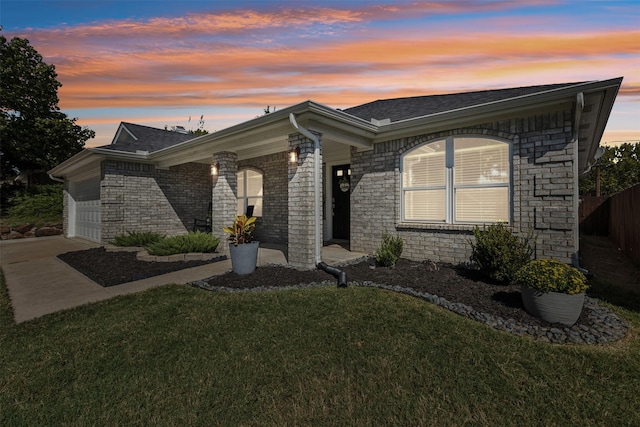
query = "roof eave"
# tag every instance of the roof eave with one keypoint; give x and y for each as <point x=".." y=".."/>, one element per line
<point x="77" y="163"/>
<point x="496" y="110"/>
<point x="266" y="129"/>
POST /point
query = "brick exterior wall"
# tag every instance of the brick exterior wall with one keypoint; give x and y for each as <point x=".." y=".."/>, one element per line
<point x="543" y="191"/>
<point x="139" y="197"/>
<point x="301" y="202"/>
<point x="273" y="226"/>
<point x="224" y="196"/>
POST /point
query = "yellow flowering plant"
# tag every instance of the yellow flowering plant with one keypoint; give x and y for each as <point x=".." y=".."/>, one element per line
<point x="550" y="275"/>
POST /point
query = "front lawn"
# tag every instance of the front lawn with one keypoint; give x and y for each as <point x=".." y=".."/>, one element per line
<point x="178" y="355"/>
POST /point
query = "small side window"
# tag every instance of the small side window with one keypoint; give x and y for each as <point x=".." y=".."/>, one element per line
<point x="250" y="192"/>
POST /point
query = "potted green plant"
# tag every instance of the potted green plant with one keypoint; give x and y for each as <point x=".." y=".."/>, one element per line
<point x="243" y="250"/>
<point x="552" y="291"/>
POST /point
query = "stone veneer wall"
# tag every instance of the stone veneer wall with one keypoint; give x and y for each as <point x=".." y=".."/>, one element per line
<point x="273" y="226"/>
<point x="543" y="191"/>
<point x="139" y="197"/>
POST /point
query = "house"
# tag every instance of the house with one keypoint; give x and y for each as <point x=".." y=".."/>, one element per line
<point x="426" y="168"/>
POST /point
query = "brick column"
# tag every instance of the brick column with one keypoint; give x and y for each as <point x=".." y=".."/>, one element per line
<point x="224" y="196"/>
<point x="302" y="206"/>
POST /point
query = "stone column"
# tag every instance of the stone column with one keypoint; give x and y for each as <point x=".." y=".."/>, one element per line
<point x="224" y="196"/>
<point x="302" y="204"/>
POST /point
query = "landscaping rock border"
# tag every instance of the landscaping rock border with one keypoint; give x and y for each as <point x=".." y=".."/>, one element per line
<point x="29" y="230"/>
<point x="608" y="327"/>
<point x="143" y="255"/>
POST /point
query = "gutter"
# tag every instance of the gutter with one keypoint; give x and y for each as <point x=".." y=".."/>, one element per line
<point x="55" y="178"/>
<point x="316" y="183"/>
<point x="485" y="111"/>
<point x="576" y="189"/>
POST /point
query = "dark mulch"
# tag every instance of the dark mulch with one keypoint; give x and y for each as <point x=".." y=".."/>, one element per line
<point x="456" y="284"/>
<point x="114" y="268"/>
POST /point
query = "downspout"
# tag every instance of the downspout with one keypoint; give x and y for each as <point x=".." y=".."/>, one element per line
<point x="576" y="189"/>
<point x="316" y="178"/>
<point x="53" y="178"/>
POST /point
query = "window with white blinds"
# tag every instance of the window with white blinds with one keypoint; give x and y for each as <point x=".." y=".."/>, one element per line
<point x="457" y="180"/>
<point x="249" y="192"/>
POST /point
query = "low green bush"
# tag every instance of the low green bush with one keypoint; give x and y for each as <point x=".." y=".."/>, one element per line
<point x="192" y="242"/>
<point x="390" y="251"/>
<point x="499" y="253"/>
<point x="137" y="238"/>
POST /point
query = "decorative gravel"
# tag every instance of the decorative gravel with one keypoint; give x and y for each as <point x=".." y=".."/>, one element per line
<point x="605" y="326"/>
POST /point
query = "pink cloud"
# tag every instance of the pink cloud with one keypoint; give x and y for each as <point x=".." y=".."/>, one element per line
<point x="283" y="56"/>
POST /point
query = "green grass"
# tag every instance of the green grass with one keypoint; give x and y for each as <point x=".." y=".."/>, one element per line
<point x="177" y="355"/>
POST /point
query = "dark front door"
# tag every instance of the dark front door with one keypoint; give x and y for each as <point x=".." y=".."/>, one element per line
<point x="341" y="184"/>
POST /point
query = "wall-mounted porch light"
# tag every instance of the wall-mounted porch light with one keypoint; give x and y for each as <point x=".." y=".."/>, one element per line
<point x="215" y="169"/>
<point x="294" y="154"/>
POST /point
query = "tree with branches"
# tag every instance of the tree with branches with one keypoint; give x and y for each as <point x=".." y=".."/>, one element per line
<point x="617" y="169"/>
<point x="35" y="134"/>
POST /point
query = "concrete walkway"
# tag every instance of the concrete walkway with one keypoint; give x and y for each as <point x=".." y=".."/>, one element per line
<point x="39" y="283"/>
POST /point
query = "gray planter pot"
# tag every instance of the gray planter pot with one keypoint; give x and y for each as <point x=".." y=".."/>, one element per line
<point x="244" y="257"/>
<point x="553" y="307"/>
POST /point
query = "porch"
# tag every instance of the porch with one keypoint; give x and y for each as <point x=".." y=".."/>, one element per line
<point x="332" y="254"/>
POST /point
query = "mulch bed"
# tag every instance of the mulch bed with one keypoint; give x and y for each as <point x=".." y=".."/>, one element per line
<point x="456" y="284"/>
<point x="115" y="268"/>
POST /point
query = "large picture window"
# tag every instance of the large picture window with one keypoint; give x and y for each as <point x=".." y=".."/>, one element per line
<point x="457" y="180"/>
<point x="250" y="192"/>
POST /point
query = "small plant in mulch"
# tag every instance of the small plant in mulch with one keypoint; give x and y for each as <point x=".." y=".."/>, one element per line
<point x="159" y="245"/>
<point x="186" y="243"/>
<point x="390" y="251"/>
<point x="137" y="238"/>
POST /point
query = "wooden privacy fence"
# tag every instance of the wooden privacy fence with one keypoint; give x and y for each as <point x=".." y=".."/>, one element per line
<point x="624" y="222"/>
<point x="617" y="216"/>
<point x="593" y="214"/>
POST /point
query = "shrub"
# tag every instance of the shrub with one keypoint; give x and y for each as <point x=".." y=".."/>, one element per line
<point x="549" y="275"/>
<point x="192" y="242"/>
<point x="137" y="238"/>
<point x="498" y="253"/>
<point x="390" y="251"/>
<point x="41" y="202"/>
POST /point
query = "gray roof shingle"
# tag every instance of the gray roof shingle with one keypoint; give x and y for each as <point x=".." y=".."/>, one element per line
<point x="153" y="139"/>
<point x="398" y="109"/>
<point x="148" y="139"/>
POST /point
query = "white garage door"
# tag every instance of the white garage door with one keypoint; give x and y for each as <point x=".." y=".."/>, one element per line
<point x="86" y="221"/>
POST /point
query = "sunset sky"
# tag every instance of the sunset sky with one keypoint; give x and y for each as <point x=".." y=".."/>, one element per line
<point x="158" y="62"/>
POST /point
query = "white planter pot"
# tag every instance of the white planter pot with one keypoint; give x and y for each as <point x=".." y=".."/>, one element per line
<point x="553" y="307"/>
<point x="244" y="257"/>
